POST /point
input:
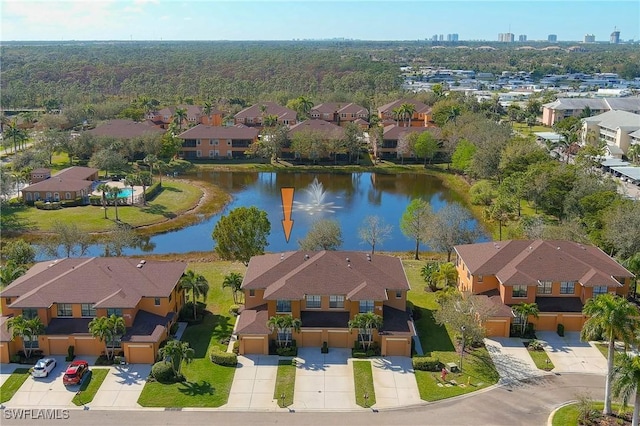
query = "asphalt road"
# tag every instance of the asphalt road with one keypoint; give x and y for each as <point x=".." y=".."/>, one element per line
<point x="523" y="403"/>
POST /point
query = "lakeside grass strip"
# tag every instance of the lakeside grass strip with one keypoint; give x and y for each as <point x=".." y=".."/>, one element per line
<point x="363" y="381"/>
<point x="285" y="383"/>
<point x="13" y="383"/>
<point x="90" y="387"/>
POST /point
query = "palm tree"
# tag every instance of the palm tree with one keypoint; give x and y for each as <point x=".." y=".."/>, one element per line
<point x="104" y="188"/>
<point x="407" y="110"/>
<point x="305" y="105"/>
<point x="365" y="323"/>
<point x="197" y="285"/>
<point x="144" y="179"/>
<point x="626" y="382"/>
<point x="446" y="275"/>
<point x="206" y="109"/>
<point x="26" y="329"/>
<point x="108" y="330"/>
<point x="18" y="135"/>
<point x="114" y="192"/>
<point x="524" y="310"/>
<point x="283" y="325"/>
<point x="10" y="272"/>
<point x="428" y="272"/>
<point x="176" y="351"/>
<point x="233" y="280"/>
<point x="634" y="153"/>
<point x="131" y="180"/>
<point x="610" y="317"/>
<point x="150" y="160"/>
<point x="270" y="120"/>
<point x="397" y="114"/>
<point x="180" y="115"/>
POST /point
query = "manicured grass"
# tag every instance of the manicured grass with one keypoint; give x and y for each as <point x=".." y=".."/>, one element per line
<point x="568" y="415"/>
<point x="541" y="360"/>
<point x="207" y="384"/>
<point x="603" y="347"/>
<point x="285" y="383"/>
<point x="363" y="381"/>
<point x="90" y="386"/>
<point x="13" y="383"/>
<point x="219" y="300"/>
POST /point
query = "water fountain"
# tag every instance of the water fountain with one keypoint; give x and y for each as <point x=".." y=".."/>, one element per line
<point x="315" y="204"/>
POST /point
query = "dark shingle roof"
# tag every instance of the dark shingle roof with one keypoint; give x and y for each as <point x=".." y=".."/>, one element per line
<point x="106" y="282"/>
<point x="559" y="304"/>
<point x="253" y="321"/>
<point x="395" y="321"/>
<point x="321" y="126"/>
<point x="324" y="319"/>
<point x="394" y="132"/>
<point x="147" y="327"/>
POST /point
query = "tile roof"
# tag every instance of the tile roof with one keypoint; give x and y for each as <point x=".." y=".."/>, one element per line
<point x="616" y="120"/>
<point x="219" y="132"/>
<point x="324" y="127"/>
<point x="5" y="335"/>
<point x="253" y="321"/>
<point x="529" y="261"/>
<point x="272" y="109"/>
<point x="420" y="107"/>
<point x="106" y="282"/>
<point x="291" y="275"/>
<point x="126" y="129"/>
<point x="395" y="132"/>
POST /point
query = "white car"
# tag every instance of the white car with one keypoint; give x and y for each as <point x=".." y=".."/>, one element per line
<point x="43" y="367"/>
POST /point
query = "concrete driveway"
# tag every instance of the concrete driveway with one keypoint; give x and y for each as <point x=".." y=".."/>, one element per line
<point x="394" y="382"/>
<point x="46" y="391"/>
<point x="254" y="383"/>
<point x="511" y="359"/>
<point x="122" y="386"/>
<point x="570" y="355"/>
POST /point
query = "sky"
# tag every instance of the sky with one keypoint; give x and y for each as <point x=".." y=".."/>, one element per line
<point x="319" y="19"/>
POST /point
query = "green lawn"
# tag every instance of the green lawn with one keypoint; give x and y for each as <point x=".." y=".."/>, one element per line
<point x="542" y="360"/>
<point x="437" y="341"/>
<point x="90" y="386"/>
<point x="568" y="415"/>
<point x="363" y="381"/>
<point x="285" y="383"/>
<point x="13" y="383"/>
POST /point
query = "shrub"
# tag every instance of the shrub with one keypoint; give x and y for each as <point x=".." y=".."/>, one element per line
<point x="41" y="205"/>
<point x="236" y="347"/>
<point x="152" y="191"/>
<point x="357" y="353"/>
<point x="535" y="345"/>
<point x="15" y="358"/>
<point x="71" y="203"/>
<point x="426" y="363"/>
<point x="325" y="348"/>
<point x="103" y="360"/>
<point x="233" y="310"/>
<point x="95" y="200"/>
<point x="186" y="312"/>
<point x="288" y="351"/>
<point x="560" y="330"/>
<point x="219" y="357"/>
<point x="163" y="372"/>
<point x="70" y="353"/>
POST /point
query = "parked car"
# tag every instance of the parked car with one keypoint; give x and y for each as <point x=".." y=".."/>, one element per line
<point x="75" y="372"/>
<point x="43" y="367"/>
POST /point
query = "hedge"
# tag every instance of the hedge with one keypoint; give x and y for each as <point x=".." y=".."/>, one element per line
<point x="228" y="359"/>
<point x="41" y="205"/>
<point x="152" y="191"/>
<point x="427" y="363"/>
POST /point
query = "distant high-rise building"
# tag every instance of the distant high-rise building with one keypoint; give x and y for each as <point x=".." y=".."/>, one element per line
<point x="441" y="37"/>
<point x="522" y="37"/>
<point x="452" y="37"/>
<point x="589" y="38"/>
<point x="552" y="38"/>
<point x="506" y="37"/>
<point x="615" y="36"/>
<point x="434" y="37"/>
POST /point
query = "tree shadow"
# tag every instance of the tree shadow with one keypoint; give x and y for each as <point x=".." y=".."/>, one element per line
<point x="10" y="222"/>
<point x="433" y="337"/>
<point x="197" y="388"/>
<point x="199" y="336"/>
<point x="171" y="189"/>
<point x="159" y="209"/>
<point x="484" y="364"/>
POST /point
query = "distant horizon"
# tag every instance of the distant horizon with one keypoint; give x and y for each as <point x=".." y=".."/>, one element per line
<point x="306" y="20"/>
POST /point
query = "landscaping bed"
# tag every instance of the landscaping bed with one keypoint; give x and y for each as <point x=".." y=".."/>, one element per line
<point x="90" y="386"/>
<point x="285" y="383"/>
<point x="538" y="355"/>
<point x="569" y="415"/>
<point x="363" y="382"/>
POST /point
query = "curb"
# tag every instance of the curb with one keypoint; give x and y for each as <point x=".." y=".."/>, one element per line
<point x="553" y="413"/>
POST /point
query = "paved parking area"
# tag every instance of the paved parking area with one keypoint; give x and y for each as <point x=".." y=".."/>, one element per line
<point x="394" y="382"/>
<point x="324" y="381"/>
<point x="253" y="383"/>
<point x="511" y="359"/>
<point x="570" y="355"/>
<point x="122" y="386"/>
<point x="46" y="391"/>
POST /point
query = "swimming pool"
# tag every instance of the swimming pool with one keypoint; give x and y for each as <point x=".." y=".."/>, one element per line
<point x="124" y="193"/>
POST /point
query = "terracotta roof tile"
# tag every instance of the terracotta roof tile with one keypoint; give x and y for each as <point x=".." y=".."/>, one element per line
<point x="253" y="321"/>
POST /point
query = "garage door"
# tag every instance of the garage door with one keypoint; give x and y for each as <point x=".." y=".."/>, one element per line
<point x="572" y="323"/>
<point x="58" y="346"/>
<point x="253" y="346"/>
<point x="545" y="322"/>
<point x="338" y="339"/>
<point x="397" y="347"/>
<point x="86" y="347"/>
<point x="311" y="338"/>
<point x="140" y="355"/>
<point x="497" y="328"/>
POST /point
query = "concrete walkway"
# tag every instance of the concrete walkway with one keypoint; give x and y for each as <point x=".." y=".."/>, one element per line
<point x="394" y="382"/>
<point x="571" y="355"/>
<point x="254" y="383"/>
<point x="182" y="326"/>
<point x="511" y="359"/>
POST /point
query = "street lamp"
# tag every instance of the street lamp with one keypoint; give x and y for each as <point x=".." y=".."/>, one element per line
<point x="463" y="328"/>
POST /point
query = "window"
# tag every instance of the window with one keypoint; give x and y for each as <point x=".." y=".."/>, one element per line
<point x="544" y="287"/>
<point x="599" y="289"/>
<point x="87" y="310"/>
<point x="8" y="301"/>
<point x="480" y="278"/>
<point x="156" y="301"/>
<point x="114" y="311"/>
<point x="67" y="195"/>
<point x="212" y="153"/>
<point x="229" y="143"/>
<point x="29" y="313"/>
<point x="336" y="301"/>
<point x="567" y="287"/>
<point x="468" y="275"/>
<point x="170" y="296"/>
<point x="285" y="335"/>
<point x="366" y="306"/>
<point x="519" y="291"/>
<point x="198" y="153"/>
<point x="252" y="293"/>
<point x="31" y="342"/>
<point x="64" y="310"/>
<point x="114" y="343"/>
<point x="283" y="305"/>
<point x="198" y="142"/>
<point x="56" y="196"/>
<point x="313" y="301"/>
<point x="398" y="294"/>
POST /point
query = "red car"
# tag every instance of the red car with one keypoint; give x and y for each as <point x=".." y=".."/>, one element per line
<point x="74" y="372"/>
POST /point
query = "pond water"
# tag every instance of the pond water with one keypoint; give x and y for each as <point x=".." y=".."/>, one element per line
<point x="348" y="198"/>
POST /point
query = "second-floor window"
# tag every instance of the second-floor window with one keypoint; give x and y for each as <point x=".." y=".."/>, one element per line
<point x="366" y="306"/>
<point x="519" y="291"/>
<point x="544" y="287"/>
<point x="87" y="310"/>
<point x="283" y="305"/>
<point x="31" y="313"/>
<point x="567" y="287"/>
<point x="599" y="289"/>
<point x="114" y="311"/>
<point x="313" y="301"/>
<point x="64" y="310"/>
<point x="336" y="301"/>
<point x="252" y="293"/>
<point x="156" y="301"/>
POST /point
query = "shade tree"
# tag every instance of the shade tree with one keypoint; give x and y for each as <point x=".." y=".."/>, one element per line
<point x="241" y="234"/>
